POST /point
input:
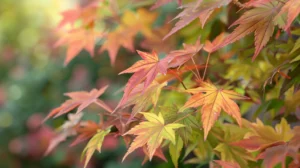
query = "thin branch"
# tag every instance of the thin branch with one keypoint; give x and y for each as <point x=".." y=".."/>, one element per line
<point x="183" y="85"/>
<point x="207" y="60"/>
<point x="199" y="76"/>
<point x="185" y="116"/>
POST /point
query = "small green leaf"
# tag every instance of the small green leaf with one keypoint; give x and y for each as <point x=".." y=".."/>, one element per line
<point x="296" y="46"/>
<point x="175" y="150"/>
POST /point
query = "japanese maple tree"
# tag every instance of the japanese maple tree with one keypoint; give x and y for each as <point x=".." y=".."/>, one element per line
<point x="230" y="97"/>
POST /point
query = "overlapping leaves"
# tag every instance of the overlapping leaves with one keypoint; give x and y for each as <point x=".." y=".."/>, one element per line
<point x="151" y="133"/>
<point x="213" y="100"/>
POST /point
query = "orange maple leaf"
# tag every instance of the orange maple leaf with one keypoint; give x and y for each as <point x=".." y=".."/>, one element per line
<point x="260" y="20"/>
<point x="78" y="39"/>
<point x="145" y="70"/>
<point x="213" y="100"/>
<point x="131" y="24"/>
<point x="212" y="46"/>
<point x="85" y="130"/>
<point x="116" y="39"/>
<point x="81" y="100"/>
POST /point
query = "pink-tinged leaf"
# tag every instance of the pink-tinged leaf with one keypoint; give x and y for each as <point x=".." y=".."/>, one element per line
<point x="292" y="8"/>
<point x="158" y="153"/>
<point x="273" y="156"/>
<point x="145" y="70"/>
<point x="69" y="16"/>
<point x="204" y="16"/>
<point x="64" y="131"/>
<point x="259" y="20"/>
<point x="81" y="100"/>
<point x="200" y="9"/>
<point x="54" y="142"/>
<point x="180" y="57"/>
<point x="255" y="143"/>
<point x="86" y="14"/>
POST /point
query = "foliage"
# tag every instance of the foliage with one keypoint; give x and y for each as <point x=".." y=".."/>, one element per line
<point x="159" y="107"/>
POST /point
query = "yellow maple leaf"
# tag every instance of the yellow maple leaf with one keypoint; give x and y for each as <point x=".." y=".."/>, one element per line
<point x="151" y="132"/>
<point x="141" y="21"/>
<point x="94" y="144"/>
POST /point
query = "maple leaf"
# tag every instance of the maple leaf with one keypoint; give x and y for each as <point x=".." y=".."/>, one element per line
<point x="228" y="152"/>
<point x="64" y="131"/>
<point x="86" y="14"/>
<point x="158" y="153"/>
<point x="81" y="100"/>
<point x="151" y="132"/>
<point x="273" y="155"/>
<point x="116" y="39"/>
<point x="77" y="40"/>
<point x="179" y="57"/>
<point x="145" y="70"/>
<point x="85" y="131"/>
<point x="141" y="98"/>
<point x="175" y="150"/>
<point x="292" y="8"/>
<point x="212" y="46"/>
<point x="271" y="143"/>
<point x="139" y="21"/>
<point x="225" y="164"/>
<point x="160" y="3"/>
<point x="277" y="153"/>
<point x="213" y="100"/>
<point x="259" y="20"/>
<point x="262" y="136"/>
<point x="69" y="16"/>
<point x="94" y="144"/>
<point x="201" y="9"/>
<point x="294" y="143"/>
